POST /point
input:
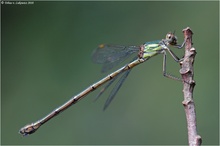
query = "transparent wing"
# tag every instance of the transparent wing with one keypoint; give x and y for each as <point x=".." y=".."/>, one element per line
<point x="116" y="88"/>
<point x="111" y="55"/>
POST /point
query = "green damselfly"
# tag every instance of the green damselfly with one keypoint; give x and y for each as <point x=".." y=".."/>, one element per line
<point x="111" y="55"/>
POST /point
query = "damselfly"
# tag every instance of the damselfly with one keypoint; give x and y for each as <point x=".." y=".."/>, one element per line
<point x="111" y="55"/>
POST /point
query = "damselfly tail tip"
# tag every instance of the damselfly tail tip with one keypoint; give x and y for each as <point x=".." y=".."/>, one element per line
<point x="29" y="129"/>
<point x="22" y="133"/>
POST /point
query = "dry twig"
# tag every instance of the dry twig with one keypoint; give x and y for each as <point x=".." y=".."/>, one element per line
<point x="188" y="85"/>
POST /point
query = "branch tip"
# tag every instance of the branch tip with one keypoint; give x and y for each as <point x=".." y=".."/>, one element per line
<point x="187" y="30"/>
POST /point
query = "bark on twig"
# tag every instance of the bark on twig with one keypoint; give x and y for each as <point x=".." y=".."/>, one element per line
<point x="188" y="85"/>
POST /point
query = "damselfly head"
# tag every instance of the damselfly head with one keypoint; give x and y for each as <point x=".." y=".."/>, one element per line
<point x="171" y="38"/>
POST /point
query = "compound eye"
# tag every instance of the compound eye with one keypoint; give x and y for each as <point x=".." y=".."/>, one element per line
<point x="169" y="36"/>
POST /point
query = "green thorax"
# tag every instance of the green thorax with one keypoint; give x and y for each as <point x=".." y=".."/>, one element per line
<point x="151" y="49"/>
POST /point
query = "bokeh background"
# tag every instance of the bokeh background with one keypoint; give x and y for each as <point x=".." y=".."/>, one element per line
<point x="46" y="59"/>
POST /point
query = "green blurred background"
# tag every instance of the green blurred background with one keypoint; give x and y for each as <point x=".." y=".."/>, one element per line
<point x="46" y="59"/>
